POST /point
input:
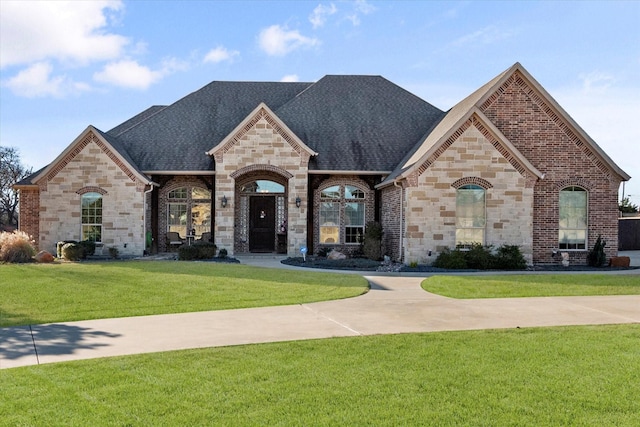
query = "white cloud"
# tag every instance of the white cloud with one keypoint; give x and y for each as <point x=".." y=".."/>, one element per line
<point x="486" y="35"/>
<point x="72" y="31"/>
<point x="290" y="78"/>
<point x="596" y="81"/>
<point x="361" y="7"/>
<point x="130" y="74"/>
<point x="37" y="81"/>
<point x="278" y="41"/>
<point x="319" y="15"/>
<point x="220" y="54"/>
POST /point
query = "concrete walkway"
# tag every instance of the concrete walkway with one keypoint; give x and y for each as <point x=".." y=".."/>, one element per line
<point x="394" y="305"/>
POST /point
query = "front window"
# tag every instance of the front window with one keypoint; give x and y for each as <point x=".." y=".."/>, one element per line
<point x="342" y="215"/>
<point x="91" y="216"/>
<point x="470" y="215"/>
<point x="189" y="211"/>
<point x="573" y="218"/>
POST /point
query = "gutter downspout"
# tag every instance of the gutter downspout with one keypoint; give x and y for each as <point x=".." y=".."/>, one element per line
<point x="401" y="239"/>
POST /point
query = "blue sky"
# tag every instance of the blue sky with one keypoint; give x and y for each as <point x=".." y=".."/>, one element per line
<point x="65" y="65"/>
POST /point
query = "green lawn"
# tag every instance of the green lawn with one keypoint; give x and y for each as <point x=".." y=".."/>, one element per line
<point x="43" y="293"/>
<point x="587" y="376"/>
<point x="535" y="285"/>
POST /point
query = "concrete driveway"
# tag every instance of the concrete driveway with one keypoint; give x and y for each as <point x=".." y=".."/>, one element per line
<point x="394" y="305"/>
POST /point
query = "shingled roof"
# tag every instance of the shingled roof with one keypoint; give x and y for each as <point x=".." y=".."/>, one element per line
<point x="355" y="123"/>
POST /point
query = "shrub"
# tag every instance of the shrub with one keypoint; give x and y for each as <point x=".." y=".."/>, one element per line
<point x="596" y="256"/>
<point x="88" y="248"/>
<point x="479" y="257"/>
<point x="223" y="253"/>
<point x="509" y="257"/>
<point x="16" y="247"/>
<point x="451" y="259"/>
<point x="323" y="251"/>
<point x="72" y="251"/>
<point x="59" y="246"/>
<point x="372" y="240"/>
<point x="113" y="252"/>
<point x="206" y="250"/>
<point x="187" y="253"/>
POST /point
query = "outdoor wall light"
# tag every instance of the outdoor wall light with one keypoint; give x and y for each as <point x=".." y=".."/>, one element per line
<point x="298" y="201"/>
<point x="224" y="201"/>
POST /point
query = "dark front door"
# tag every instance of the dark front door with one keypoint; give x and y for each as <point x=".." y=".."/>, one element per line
<point x="262" y="224"/>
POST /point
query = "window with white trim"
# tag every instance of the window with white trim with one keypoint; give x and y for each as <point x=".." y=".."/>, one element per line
<point x="470" y="215"/>
<point x="572" y="227"/>
<point x="91" y="217"/>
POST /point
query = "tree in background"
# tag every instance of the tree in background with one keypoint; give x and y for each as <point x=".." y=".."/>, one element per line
<point x="627" y="207"/>
<point x="11" y="171"/>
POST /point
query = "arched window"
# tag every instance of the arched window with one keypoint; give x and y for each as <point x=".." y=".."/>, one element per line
<point x="572" y="228"/>
<point x="470" y="215"/>
<point x="342" y="214"/>
<point x="91" y="216"/>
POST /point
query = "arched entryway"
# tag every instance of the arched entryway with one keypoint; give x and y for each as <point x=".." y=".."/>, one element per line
<point x="261" y="212"/>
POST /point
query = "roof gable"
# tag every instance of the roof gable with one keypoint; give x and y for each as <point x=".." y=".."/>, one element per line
<point x="262" y="111"/>
<point x="89" y="135"/>
<point x="475" y="118"/>
<point x="475" y="104"/>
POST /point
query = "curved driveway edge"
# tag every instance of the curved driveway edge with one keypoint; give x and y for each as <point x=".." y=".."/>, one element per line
<point x="393" y="305"/>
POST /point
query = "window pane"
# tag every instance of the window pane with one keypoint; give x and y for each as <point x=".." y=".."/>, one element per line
<point x="353" y="234"/>
<point x="329" y="214"/>
<point x="470" y="215"/>
<point x="331" y="192"/>
<point x="329" y="234"/>
<point x="198" y="193"/>
<point x="178" y="193"/>
<point x="91" y="217"/>
<point x="354" y="213"/>
<point x="201" y="218"/>
<point x="262" y="186"/>
<point x="572" y="222"/>
<point x="351" y="192"/>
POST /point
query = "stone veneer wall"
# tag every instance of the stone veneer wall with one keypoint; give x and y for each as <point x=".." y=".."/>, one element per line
<point x="369" y="211"/>
<point x="262" y="145"/>
<point x="91" y="166"/>
<point x="28" y="221"/>
<point x="551" y="145"/>
<point x="431" y="202"/>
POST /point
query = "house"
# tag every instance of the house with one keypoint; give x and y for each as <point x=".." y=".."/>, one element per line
<point x="265" y="167"/>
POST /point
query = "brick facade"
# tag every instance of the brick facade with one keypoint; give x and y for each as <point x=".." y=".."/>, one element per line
<point x="554" y="148"/>
<point x="29" y="220"/>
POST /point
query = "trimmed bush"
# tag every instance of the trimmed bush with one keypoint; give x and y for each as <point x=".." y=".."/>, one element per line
<point x="372" y="241"/>
<point x="206" y="250"/>
<point x="596" y="256"/>
<point x="16" y="247"/>
<point x="72" y="251"/>
<point x="451" y="259"/>
<point x="509" y="257"/>
<point x="59" y="246"/>
<point x="88" y="248"/>
<point x="187" y="253"/>
<point x="479" y="257"/>
<point x="223" y="253"/>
